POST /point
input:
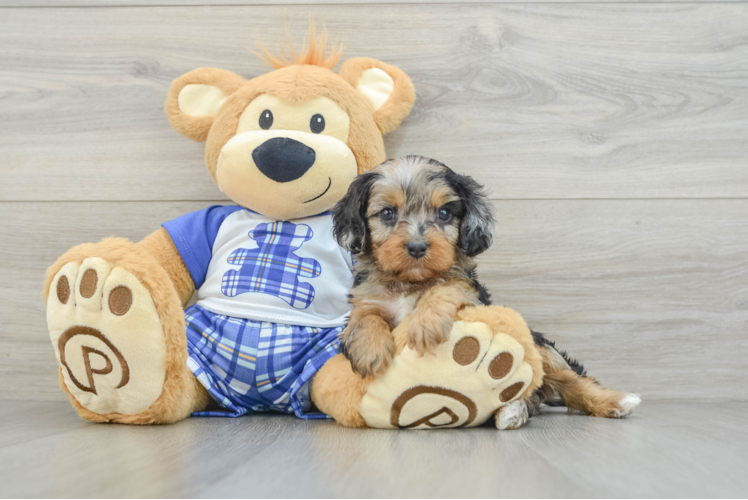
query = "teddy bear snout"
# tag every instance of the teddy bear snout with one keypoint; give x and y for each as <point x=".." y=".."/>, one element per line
<point x="283" y="159"/>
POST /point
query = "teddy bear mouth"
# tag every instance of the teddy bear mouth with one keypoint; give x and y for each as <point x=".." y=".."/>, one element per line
<point x="329" y="183"/>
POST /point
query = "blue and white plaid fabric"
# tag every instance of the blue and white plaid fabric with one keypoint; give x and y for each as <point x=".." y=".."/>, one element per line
<point x="273" y="268"/>
<point x="251" y="366"/>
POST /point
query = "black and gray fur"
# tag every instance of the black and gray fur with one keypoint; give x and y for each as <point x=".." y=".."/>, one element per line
<point x="351" y="228"/>
<point x="474" y="209"/>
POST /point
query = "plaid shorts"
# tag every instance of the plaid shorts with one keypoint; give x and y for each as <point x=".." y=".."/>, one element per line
<point x="251" y="366"/>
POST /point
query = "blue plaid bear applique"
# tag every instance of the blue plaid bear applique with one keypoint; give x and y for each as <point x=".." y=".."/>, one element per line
<point x="273" y="268"/>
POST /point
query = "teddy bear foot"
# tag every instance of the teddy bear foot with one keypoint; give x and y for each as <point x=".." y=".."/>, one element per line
<point x="117" y="362"/>
<point x="107" y="337"/>
<point x="463" y="383"/>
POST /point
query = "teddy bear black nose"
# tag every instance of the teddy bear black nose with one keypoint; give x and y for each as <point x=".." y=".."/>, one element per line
<point x="283" y="159"/>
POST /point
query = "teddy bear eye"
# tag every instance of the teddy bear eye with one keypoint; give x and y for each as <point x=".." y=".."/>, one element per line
<point x="317" y="123"/>
<point x="266" y="119"/>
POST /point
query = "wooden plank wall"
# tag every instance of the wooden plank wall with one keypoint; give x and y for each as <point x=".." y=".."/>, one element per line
<point x="613" y="137"/>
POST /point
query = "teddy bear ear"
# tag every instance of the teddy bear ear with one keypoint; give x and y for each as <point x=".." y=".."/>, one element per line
<point x="387" y="88"/>
<point x="195" y="98"/>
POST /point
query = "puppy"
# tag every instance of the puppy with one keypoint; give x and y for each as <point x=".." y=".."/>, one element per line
<point x="414" y="226"/>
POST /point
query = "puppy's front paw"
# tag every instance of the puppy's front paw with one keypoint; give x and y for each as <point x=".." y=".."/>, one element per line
<point x="369" y="347"/>
<point x="427" y="330"/>
<point x="370" y="360"/>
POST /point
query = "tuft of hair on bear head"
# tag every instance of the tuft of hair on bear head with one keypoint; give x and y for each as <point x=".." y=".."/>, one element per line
<point x="313" y="51"/>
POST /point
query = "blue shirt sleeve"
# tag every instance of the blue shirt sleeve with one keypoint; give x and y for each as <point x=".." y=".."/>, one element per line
<point x="194" y="234"/>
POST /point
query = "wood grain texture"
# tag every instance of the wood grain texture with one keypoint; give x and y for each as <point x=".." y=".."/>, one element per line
<point x="652" y="295"/>
<point x="200" y="3"/>
<point x="24" y="421"/>
<point x="662" y="450"/>
<point x="538" y="101"/>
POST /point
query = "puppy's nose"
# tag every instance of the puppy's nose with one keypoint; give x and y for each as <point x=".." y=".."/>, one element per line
<point x="417" y="249"/>
<point x="283" y="159"/>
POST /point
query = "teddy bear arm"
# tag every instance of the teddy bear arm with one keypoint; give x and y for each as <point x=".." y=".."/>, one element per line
<point x="159" y="245"/>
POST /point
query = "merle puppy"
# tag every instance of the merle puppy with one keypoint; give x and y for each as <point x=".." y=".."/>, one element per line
<point x="414" y="225"/>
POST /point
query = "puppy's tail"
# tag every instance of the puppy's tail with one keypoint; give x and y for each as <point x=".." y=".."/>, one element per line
<point x="554" y="402"/>
<point x="567" y="377"/>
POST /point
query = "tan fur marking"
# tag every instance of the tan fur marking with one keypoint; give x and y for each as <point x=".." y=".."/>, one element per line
<point x="441" y="254"/>
<point x="392" y="256"/>
<point x="434" y="315"/>
<point x="584" y="394"/>
<point x="368" y="340"/>
<point x="440" y="196"/>
<point x="394" y="198"/>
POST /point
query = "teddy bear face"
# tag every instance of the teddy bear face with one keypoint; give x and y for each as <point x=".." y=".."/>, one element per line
<point x="298" y="135"/>
<point x="296" y="151"/>
<point x="288" y="144"/>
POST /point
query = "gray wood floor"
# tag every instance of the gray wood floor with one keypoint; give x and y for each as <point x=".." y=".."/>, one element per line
<point x="662" y="450"/>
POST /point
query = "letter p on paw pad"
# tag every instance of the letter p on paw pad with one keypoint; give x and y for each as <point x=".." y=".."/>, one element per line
<point x="462" y="384"/>
<point x="100" y="319"/>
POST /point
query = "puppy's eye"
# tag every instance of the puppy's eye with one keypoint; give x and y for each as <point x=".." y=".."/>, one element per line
<point x="387" y="215"/>
<point x="317" y="123"/>
<point x="266" y="119"/>
<point x="444" y="215"/>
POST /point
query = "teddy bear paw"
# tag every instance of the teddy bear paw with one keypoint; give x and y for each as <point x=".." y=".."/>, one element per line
<point x="107" y="337"/>
<point x="463" y="383"/>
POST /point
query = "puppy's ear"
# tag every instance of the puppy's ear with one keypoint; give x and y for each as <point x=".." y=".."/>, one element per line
<point x="195" y="98"/>
<point x="349" y="214"/>
<point x="477" y="226"/>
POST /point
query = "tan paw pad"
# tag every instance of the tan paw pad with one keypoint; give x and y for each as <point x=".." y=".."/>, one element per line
<point x="107" y="337"/>
<point x="462" y="384"/>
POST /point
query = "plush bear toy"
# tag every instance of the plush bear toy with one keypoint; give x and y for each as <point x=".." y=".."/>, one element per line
<point x="272" y="282"/>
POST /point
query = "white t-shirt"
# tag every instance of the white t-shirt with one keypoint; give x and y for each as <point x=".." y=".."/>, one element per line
<point x="248" y="266"/>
